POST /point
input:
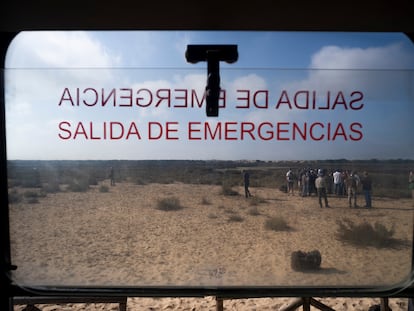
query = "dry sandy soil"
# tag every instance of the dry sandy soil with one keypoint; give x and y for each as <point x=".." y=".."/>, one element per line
<point x="121" y="238"/>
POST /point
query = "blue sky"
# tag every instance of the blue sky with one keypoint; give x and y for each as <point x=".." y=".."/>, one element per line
<point x="372" y="70"/>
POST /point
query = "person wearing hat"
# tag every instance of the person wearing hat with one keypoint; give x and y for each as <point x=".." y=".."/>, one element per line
<point x="352" y="182"/>
<point x="320" y="185"/>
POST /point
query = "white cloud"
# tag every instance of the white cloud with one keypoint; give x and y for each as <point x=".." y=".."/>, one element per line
<point x="379" y="72"/>
<point x="250" y="82"/>
<point x="57" y="50"/>
<point x="40" y="65"/>
<point x="193" y="81"/>
<point x="20" y="109"/>
<point x="384" y="57"/>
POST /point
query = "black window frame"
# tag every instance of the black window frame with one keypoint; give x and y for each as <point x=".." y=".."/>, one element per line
<point x="272" y="16"/>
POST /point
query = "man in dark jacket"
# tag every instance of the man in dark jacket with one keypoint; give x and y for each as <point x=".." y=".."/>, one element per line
<point x="367" y="188"/>
<point x="246" y="181"/>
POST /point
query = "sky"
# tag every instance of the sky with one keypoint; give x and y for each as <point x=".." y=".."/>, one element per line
<point x="74" y="95"/>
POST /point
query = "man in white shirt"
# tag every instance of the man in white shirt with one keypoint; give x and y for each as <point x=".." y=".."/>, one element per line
<point x="337" y="179"/>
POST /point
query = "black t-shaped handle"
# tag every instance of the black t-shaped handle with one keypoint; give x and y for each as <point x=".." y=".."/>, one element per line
<point x="212" y="54"/>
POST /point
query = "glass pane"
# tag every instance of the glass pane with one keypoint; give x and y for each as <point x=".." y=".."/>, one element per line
<point x="118" y="178"/>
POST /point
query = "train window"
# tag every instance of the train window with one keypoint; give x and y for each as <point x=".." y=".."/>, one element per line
<point x="118" y="178"/>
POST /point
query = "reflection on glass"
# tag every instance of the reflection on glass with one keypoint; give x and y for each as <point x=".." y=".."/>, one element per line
<point x="117" y="177"/>
<point x="189" y="223"/>
<point x="128" y="183"/>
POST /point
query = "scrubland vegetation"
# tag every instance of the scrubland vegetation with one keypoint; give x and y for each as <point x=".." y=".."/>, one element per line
<point x="29" y="181"/>
<point x="389" y="176"/>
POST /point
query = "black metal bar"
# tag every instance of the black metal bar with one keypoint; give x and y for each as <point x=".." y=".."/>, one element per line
<point x="5" y="260"/>
<point x="32" y="300"/>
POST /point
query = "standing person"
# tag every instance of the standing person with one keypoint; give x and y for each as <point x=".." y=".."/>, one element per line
<point x="290" y="181"/>
<point x="337" y="179"/>
<point x="246" y="181"/>
<point x="367" y="189"/>
<point x="344" y="176"/>
<point x="112" y="176"/>
<point x="411" y="183"/>
<point x="305" y="184"/>
<point x="320" y="185"/>
<point x="330" y="183"/>
<point x="352" y="183"/>
<point x="300" y="180"/>
<point x="312" y="178"/>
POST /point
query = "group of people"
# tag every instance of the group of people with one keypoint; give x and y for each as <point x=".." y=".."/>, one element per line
<point x="319" y="182"/>
<point x="340" y="182"/>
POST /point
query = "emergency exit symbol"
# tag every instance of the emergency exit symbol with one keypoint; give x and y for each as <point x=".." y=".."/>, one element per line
<point x="212" y="54"/>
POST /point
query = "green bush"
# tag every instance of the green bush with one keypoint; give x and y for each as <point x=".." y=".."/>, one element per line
<point x="277" y="223"/>
<point x="256" y="200"/>
<point x="103" y="188"/>
<point x="51" y="187"/>
<point x="15" y="196"/>
<point x="235" y="218"/>
<point x="365" y="234"/>
<point x="32" y="200"/>
<point x="169" y="204"/>
<point x="139" y="181"/>
<point x="30" y="194"/>
<point x="283" y="188"/>
<point x="79" y="185"/>
<point x="226" y="189"/>
<point x="254" y="211"/>
<point x="205" y="201"/>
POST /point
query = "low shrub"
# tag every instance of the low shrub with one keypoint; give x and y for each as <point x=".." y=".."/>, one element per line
<point x="365" y="234"/>
<point x="79" y="185"/>
<point x="140" y="181"/>
<point x="230" y="211"/>
<point x="226" y="189"/>
<point x="277" y="223"/>
<point x="212" y="216"/>
<point x="15" y="197"/>
<point x="256" y="200"/>
<point x="51" y="187"/>
<point x="283" y="188"/>
<point x="32" y="200"/>
<point x="30" y="194"/>
<point x="254" y="211"/>
<point x="32" y="197"/>
<point x="103" y="188"/>
<point x="169" y="204"/>
<point x="205" y="201"/>
<point x="235" y="218"/>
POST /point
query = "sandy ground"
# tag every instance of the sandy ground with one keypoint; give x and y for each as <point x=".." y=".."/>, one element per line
<point x="121" y="238"/>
